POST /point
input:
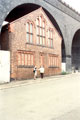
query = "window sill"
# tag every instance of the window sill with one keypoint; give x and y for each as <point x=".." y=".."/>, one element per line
<point x="53" y="67"/>
<point x="40" y="45"/>
<point x="23" y="66"/>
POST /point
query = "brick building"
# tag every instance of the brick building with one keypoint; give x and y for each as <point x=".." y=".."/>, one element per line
<point x="32" y="40"/>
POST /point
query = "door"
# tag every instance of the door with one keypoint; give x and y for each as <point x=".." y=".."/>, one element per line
<point x="4" y="66"/>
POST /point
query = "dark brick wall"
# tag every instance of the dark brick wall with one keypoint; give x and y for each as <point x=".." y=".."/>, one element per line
<point x="5" y="39"/>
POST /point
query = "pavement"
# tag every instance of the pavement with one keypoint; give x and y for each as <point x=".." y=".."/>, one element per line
<point x="17" y="83"/>
<point x="51" y="98"/>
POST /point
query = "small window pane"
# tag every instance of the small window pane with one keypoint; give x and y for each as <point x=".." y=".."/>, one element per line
<point x="27" y="37"/>
<point x="51" y="34"/>
<point x="27" y="27"/>
<point x="40" y="20"/>
<point x="31" y="28"/>
<point x="40" y="31"/>
<point x="48" y="34"/>
<point x="51" y="43"/>
<point x="56" y="61"/>
<point x="31" y="38"/>
<point x="43" y="32"/>
<point x="37" y="31"/>
<point x="37" y="21"/>
<point x="22" y="59"/>
<point x="53" y="61"/>
<point x="40" y="40"/>
<point x="37" y="40"/>
<point x="43" y="41"/>
<point x="50" y="61"/>
<point x="43" y="24"/>
<point x="26" y="59"/>
<point x="31" y="59"/>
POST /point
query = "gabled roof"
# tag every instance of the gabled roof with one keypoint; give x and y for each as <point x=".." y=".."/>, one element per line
<point x="43" y="13"/>
<point x="49" y="20"/>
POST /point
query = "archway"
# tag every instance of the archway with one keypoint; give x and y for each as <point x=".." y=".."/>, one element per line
<point x="63" y="52"/>
<point x="76" y="51"/>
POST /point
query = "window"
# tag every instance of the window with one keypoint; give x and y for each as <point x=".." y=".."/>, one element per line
<point x="53" y="61"/>
<point x="40" y="30"/>
<point x="25" y="58"/>
<point x="29" y="34"/>
<point x="50" y="38"/>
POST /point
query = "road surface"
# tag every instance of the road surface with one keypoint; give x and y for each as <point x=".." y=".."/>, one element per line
<point x="53" y="98"/>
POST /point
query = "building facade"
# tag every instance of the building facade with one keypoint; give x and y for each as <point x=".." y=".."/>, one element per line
<point x="65" y="19"/>
<point x="32" y="40"/>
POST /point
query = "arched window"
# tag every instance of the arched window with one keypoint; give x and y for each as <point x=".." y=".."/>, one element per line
<point x="50" y="37"/>
<point x="29" y="33"/>
<point x="40" y="31"/>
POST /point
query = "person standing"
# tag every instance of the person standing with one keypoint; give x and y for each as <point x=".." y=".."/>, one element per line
<point x="35" y="72"/>
<point x="42" y="71"/>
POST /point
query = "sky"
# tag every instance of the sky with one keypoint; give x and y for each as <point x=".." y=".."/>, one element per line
<point x="74" y="4"/>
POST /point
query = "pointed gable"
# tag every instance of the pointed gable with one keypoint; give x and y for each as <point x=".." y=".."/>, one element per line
<point x="48" y="22"/>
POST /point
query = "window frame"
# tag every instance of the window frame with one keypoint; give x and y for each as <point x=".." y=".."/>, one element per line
<point x="26" y="55"/>
<point x="30" y="32"/>
<point x="41" y="38"/>
<point x="53" y="61"/>
<point x="50" y="37"/>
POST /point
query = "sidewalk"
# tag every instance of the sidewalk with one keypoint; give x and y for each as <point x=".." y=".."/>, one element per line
<point x="18" y="83"/>
<point x="51" y="98"/>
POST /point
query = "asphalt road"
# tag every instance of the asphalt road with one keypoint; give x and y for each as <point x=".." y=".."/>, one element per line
<point x="53" y="98"/>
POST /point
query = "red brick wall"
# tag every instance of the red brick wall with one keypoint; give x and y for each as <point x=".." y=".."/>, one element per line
<point x="17" y="42"/>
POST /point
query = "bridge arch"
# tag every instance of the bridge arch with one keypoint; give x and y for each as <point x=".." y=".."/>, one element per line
<point x="10" y="6"/>
<point x="22" y="8"/>
<point x="75" y="51"/>
<point x="25" y="5"/>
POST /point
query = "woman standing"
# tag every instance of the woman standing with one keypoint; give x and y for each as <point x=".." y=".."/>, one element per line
<point x="35" y="72"/>
<point x="42" y="71"/>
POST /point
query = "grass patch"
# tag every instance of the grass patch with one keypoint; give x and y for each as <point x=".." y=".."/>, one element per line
<point x="63" y="73"/>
